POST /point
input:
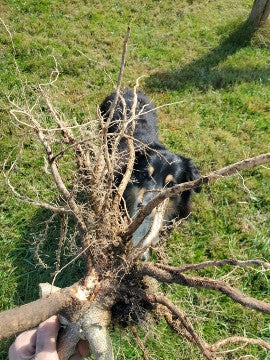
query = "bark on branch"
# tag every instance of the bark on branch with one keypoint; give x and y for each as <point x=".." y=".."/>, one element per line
<point x="238" y="339"/>
<point x="32" y="314"/>
<point x="223" y="262"/>
<point x="172" y="313"/>
<point x="185" y="322"/>
<point x="172" y="277"/>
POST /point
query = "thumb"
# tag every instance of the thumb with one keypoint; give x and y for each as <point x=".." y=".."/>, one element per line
<point x="46" y="339"/>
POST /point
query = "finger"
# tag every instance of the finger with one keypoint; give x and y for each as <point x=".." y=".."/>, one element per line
<point x="75" y="357"/>
<point x="83" y="347"/>
<point x="82" y="350"/>
<point x="46" y="339"/>
<point x="24" y="346"/>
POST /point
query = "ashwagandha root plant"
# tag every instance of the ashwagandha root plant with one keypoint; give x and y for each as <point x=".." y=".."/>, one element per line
<point x="113" y="267"/>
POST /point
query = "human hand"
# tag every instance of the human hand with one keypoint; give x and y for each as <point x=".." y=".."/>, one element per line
<point x="40" y="343"/>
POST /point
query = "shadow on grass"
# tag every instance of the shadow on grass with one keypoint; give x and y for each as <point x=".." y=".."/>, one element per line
<point x="203" y="74"/>
<point x="30" y="272"/>
<point x="26" y="273"/>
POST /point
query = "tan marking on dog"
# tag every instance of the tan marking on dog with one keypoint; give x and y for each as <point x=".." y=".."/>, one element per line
<point x="140" y="194"/>
<point x="170" y="210"/>
<point x="150" y="170"/>
<point x="140" y="197"/>
<point x="168" y="179"/>
<point x="131" y="198"/>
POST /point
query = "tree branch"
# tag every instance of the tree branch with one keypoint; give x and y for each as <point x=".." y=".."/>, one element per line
<point x="139" y="342"/>
<point x="131" y="149"/>
<point x="177" y="189"/>
<point x="27" y="316"/>
<point x="179" y="314"/>
<point x="175" y="327"/>
<point x="27" y="199"/>
<point x="205" y="264"/>
<point x="210" y="351"/>
<point x="238" y="339"/>
<point x="120" y="75"/>
<point x="205" y="283"/>
<point x="32" y="314"/>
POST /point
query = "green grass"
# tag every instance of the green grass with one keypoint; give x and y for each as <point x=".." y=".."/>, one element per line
<point x="195" y="52"/>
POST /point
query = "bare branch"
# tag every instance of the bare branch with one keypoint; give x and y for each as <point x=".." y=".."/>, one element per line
<point x="239" y="339"/>
<point x="205" y="264"/>
<point x="62" y="238"/>
<point x="177" y="189"/>
<point x="209" y="351"/>
<point x="120" y="75"/>
<point x="109" y="158"/>
<point x="175" y="327"/>
<point x="32" y="314"/>
<point x="67" y="133"/>
<point x="184" y="321"/>
<point x="41" y="241"/>
<point x="131" y="148"/>
<point x="27" y="199"/>
<point x="62" y="188"/>
<point x="73" y="145"/>
<point x="139" y="343"/>
<point x="53" y="76"/>
<point x="69" y="263"/>
<point x="205" y="283"/>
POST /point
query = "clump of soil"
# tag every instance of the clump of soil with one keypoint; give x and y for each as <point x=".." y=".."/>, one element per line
<point x="132" y="306"/>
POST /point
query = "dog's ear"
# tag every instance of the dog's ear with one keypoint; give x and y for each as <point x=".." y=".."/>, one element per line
<point x="193" y="174"/>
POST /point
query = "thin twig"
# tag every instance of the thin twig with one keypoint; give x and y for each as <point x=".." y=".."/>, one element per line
<point x="139" y="343"/>
<point x="131" y="150"/>
<point x="62" y="238"/>
<point x="41" y="241"/>
<point x="179" y="314"/>
<point x="27" y="199"/>
<point x="120" y="75"/>
<point x="202" y="265"/>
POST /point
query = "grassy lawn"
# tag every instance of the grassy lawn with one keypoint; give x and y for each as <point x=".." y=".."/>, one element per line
<point x="197" y="52"/>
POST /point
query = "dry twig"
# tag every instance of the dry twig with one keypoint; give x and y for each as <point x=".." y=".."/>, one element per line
<point x="202" y="265"/>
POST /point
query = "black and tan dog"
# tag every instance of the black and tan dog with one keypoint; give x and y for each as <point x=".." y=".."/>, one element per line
<point x="155" y="167"/>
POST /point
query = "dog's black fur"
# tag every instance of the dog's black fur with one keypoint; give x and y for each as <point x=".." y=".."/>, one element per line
<point x="155" y="167"/>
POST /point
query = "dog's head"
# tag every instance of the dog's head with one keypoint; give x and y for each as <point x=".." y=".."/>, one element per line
<point x="152" y="173"/>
